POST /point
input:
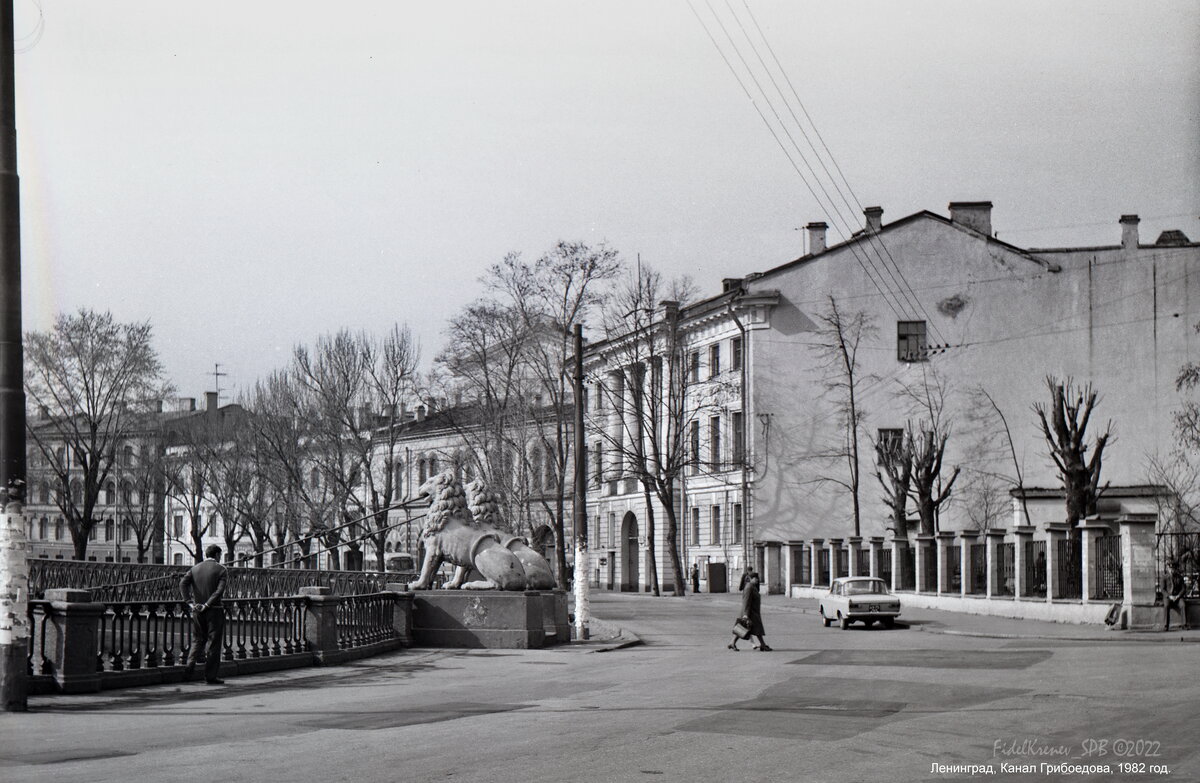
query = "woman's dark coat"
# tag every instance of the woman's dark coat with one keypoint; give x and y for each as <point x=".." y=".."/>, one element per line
<point x="751" y="608"/>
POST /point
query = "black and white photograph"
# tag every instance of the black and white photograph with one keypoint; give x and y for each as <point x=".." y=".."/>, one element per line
<point x="693" y="390"/>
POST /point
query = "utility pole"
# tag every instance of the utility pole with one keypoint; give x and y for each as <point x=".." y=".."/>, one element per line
<point x="582" y="564"/>
<point x="14" y="569"/>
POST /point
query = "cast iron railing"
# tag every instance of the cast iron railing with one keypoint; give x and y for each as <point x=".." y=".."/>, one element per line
<point x="1069" y="565"/>
<point x="1035" y="569"/>
<point x="1108" y="583"/>
<point x="150" y="582"/>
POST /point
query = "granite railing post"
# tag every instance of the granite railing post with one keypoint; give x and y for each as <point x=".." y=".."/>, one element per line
<point x="814" y="573"/>
<point x="403" y="612"/>
<point x="320" y="623"/>
<point x="72" y="647"/>
<point x="898" y="546"/>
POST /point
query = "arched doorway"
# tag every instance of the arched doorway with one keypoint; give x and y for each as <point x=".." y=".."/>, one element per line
<point x="629" y="553"/>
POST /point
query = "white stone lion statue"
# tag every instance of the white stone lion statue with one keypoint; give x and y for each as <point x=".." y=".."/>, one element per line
<point x="452" y="534"/>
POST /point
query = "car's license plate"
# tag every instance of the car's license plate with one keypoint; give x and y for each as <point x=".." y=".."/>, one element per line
<point x="873" y="607"/>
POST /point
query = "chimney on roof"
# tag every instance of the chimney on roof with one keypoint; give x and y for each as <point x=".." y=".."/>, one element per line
<point x="1129" y="232"/>
<point x="816" y="237"/>
<point x="670" y="309"/>
<point x="421" y="411"/>
<point x="210" y="402"/>
<point x="874" y="217"/>
<point x="975" y="215"/>
<point x="730" y="284"/>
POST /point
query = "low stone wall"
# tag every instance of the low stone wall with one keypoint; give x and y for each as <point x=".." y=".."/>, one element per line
<point x="490" y="619"/>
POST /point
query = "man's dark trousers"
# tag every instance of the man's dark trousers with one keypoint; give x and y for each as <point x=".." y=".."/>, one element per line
<point x="207" y="634"/>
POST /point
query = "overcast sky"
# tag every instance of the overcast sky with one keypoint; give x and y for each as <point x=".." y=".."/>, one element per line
<point x="249" y="175"/>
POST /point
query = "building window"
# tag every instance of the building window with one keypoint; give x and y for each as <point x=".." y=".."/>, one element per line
<point x="58" y="529"/>
<point x="43" y="526"/>
<point x="126" y="493"/>
<point x="44" y="493"/>
<point x="612" y="530"/>
<point x="178" y="525"/>
<point x="126" y="531"/>
<point x="314" y="479"/>
<point x="694" y="445"/>
<point x="735" y="353"/>
<point x="910" y="341"/>
<point x="598" y="462"/>
<point x="109" y="531"/>
<point x="177" y="559"/>
<point x="737" y="421"/>
<point x="110" y="494"/>
<point x="127" y="456"/>
<point x="714" y="360"/>
<point x="694" y="366"/>
<point x="714" y="442"/>
<point x="92" y="532"/>
<point x="890" y="441"/>
<point x="737" y="523"/>
<point x="715" y="525"/>
<point x="695" y="526"/>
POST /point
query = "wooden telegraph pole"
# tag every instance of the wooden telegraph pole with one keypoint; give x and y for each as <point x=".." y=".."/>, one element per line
<point x="14" y="574"/>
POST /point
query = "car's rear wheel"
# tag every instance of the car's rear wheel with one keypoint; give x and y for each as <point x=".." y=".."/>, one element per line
<point x="843" y="621"/>
<point x="889" y="622"/>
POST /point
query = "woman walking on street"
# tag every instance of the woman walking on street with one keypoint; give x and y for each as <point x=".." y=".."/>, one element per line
<point x="751" y="615"/>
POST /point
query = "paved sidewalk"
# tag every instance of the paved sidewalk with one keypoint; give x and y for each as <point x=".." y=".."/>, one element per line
<point x="963" y="624"/>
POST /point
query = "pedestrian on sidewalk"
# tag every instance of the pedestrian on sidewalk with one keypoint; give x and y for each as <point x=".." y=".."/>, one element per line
<point x="695" y="578"/>
<point x="1174" y="590"/>
<point x="751" y="615"/>
<point x="204" y="586"/>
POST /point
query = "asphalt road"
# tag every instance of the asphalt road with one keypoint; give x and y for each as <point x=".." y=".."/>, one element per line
<point x="826" y="705"/>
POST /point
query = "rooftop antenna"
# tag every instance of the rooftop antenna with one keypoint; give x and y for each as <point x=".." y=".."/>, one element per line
<point x="217" y="376"/>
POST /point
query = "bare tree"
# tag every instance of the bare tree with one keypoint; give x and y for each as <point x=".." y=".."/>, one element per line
<point x="927" y="433"/>
<point x="988" y="485"/>
<point x="550" y="296"/>
<point x="142" y="491"/>
<point x="894" y="465"/>
<point x="645" y="439"/>
<point x="837" y="341"/>
<point x="1064" y="424"/>
<point x="94" y="377"/>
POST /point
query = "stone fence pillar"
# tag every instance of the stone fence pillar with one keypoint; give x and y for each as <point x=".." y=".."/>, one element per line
<point x="967" y="539"/>
<point x="855" y="543"/>
<point x="945" y="540"/>
<point x="1055" y="532"/>
<point x="994" y="538"/>
<point x="1137" y="570"/>
<point x="836" y="553"/>
<point x="814" y="574"/>
<point x="899" y="545"/>
<point x="1023" y="536"/>
<point x="71" y="623"/>
<point x="876" y="545"/>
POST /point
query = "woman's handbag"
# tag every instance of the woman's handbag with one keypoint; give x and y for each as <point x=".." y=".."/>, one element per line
<point x="741" y="629"/>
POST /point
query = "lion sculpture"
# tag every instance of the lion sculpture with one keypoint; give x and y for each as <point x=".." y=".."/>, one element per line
<point x="485" y="508"/>
<point x="453" y="534"/>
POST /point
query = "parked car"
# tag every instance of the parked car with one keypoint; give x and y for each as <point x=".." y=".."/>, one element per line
<point x="864" y="598"/>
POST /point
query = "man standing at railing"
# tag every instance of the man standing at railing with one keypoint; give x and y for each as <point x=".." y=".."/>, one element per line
<point x="204" y="585"/>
